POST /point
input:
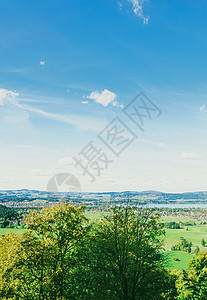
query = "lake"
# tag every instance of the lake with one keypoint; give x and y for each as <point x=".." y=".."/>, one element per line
<point x="176" y="205"/>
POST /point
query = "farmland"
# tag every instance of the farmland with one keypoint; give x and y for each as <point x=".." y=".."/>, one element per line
<point x="172" y="259"/>
<point x="193" y="234"/>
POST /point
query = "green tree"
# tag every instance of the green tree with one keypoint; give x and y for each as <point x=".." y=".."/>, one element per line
<point x="189" y="248"/>
<point x="124" y="253"/>
<point x="203" y="242"/>
<point x="62" y="257"/>
<point x="45" y="261"/>
<point x="193" y="283"/>
<point x="171" y="293"/>
<point x="8" y="213"/>
<point x="182" y="245"/>
<point x="172" y="225"/>
<point x="9" y="281"/>
<point x="197" y="249"/>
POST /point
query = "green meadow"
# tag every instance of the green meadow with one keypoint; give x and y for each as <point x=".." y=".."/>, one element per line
<point x="4" y="231"/>
<point x="94" y="215"/>
<point x="194" y="234"/>
<point x="177" y="259"/>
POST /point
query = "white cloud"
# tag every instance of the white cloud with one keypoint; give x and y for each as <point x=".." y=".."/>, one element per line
<point x="138" y="10"/>
<point x="104" y="98"/>
<point x="203" y="108"/>
<point x="190" y="155"/>
<point x="65" y="161"/>
<point x="18" y="70"/>
<point x="6" y="95"/>
<point x="120" y="5"/>
<point x="116" y="103"/>
<point x="84" y="102"/>
<point x="40" y="172"/>
<point x="42" y="62"/>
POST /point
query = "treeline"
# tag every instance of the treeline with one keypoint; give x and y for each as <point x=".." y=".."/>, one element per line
<point x="64" y="256"/>
<point x="182" y="245"/>
<point x="173" y="225"/>
<point x="9" y="217"/>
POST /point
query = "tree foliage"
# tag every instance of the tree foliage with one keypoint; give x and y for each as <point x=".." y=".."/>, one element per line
<point x="203" y="242"/>
<point x="44" y="258"/>
<point x="182" y="245"/>
<point x="125" y="254"/>
<point x="6" y="215"/>
<point x="62" y="256"/>
<point x="173" y="225"/>
<point x="192" y="284"/>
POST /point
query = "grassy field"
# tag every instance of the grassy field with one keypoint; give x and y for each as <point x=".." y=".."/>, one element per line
<point x="180" y="264"/>
<point x="95" y="215"/>
<point x="39" y="201"/>
<point x="194" y="234"/>
<point x="4" y="231"/>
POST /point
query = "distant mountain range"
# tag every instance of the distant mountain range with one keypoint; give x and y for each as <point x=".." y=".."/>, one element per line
<point x="41" y="198"/>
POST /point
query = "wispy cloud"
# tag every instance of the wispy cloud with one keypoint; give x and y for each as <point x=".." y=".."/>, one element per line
<point x="6" y="95"/>
<point x="116" y="103"/>
<point x="120" y="5"/>
<point x="41" y="172"/>
<point x="66" y="161"/>
<point x="203" y="108"/>
<point x="138" y="9"/>
<point x="153" y="143"/>
<point x="36" y="148"/>
<point x="17" y="70"/>
<point x="190" y="155"/>
<point x="82" y="123"/>
<point x="84" y="102"/>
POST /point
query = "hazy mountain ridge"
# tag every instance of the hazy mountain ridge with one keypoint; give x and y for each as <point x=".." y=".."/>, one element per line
<point x="35" y="196"/>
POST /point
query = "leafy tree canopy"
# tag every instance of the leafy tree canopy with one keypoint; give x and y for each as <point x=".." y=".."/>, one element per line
<point x="7" y="213"/>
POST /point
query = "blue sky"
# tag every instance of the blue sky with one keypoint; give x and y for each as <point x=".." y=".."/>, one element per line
<point x="67" y="68"/>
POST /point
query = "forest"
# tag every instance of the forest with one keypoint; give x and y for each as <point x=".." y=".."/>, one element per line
<point x="64" y="255"/>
